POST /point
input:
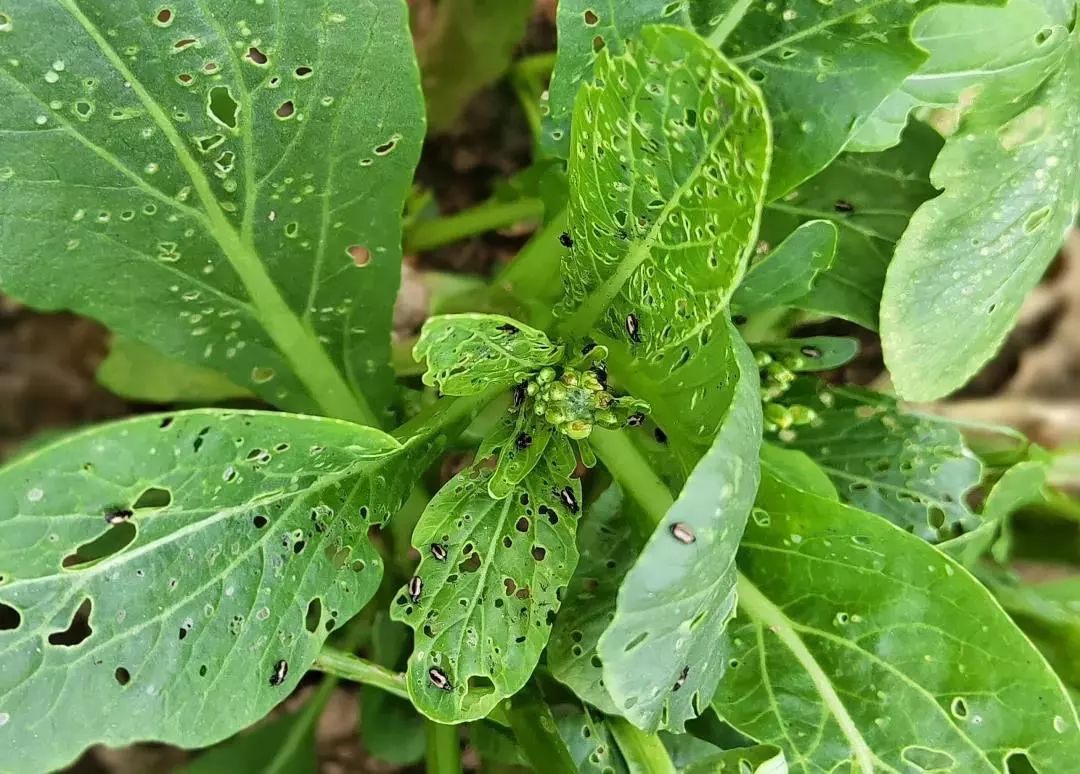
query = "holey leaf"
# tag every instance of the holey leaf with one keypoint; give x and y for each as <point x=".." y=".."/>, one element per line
<point x="222" y="181"/>
<point x="859" y="647"/>
<point x="172" y="577"/>
<point x="913" y="469"/>
<point x="469" y="353"/>
<point x="491" y="577"/>
<point x="669" y="159"/>
<point x="974" y="253"/>
<point x="660" y="654"/>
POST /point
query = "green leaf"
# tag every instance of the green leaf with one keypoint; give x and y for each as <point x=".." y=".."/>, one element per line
<point x="788" y="271"/>
<point x="797" y="470"/>
<point x="815" y="353"/>
<point x="975" y="252"/>
<point x="198" y="551"/>
<point x="256" y="750"/>
<point x="989" y="56"/>
<point x="671" y="150"/>
<point x="468" y="46"/>
<point x="607" y="550"/>
<point x="1021" y="485"/>
<point x="590" y="742"/>
<point x="138" y="372"/>
<point x="221" y="182"/>
<point x="913" y="469"/>
<point x="824" y="69"/>
<point x="515" y="463"/>
<point x="761" y="759"/>
<point x="1049" y="613"/>
<point x="470" y="353"/>
<point x="391" y="730"/>
<point x="485" y="609"/>
<point x="589" y="30"/>
<point x="859" y="645"/>
<point x="660" y="657"/>
<point x="882" y="189"/>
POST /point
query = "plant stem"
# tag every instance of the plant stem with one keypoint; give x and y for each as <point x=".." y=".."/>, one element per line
<point x="729" y="22"/>
<point x="536" y="733"/>
<point x="304" y="721"/>
<point x="443" y="749"/>
<point x="489" y="216"/>
<point x="643" y="753"/>
<point x="636" y="476"/>
<point x="536" y="65"/>
<point x="349" y="667"/>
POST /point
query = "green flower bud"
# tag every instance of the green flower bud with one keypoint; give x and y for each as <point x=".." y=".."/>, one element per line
<point x="578" y="429"/>
<point x="546" y="375"/>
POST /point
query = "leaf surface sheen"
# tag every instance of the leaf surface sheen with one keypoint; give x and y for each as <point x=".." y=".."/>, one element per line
<point x="856" y="643"/>
<point x="671" y="149"/>
<point x="788" y="271"/>
<point x="222" y="181"/>
<point x="228" y="527"/>
<point x="660" y="657"/>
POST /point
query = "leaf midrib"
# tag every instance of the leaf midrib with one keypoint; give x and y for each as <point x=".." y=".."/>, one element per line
<point x="297" y="341"/>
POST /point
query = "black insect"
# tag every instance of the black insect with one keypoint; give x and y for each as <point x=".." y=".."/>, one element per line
<point x="438" y="550"/>
<point x="601" y="375"/>
<point x="416" y="588"/>
<point x="659" y="435"/>
<point x="116" y="516"/>
<point x="682" y="533"/>
<point x="635" y="420"/>
<point x="738" y="319"/>
<point x="589" y="346"/>
<point x="844" y="206"/>
<point x="566" y="240"/>
<point x="682" y="678"/>
<point x="508" y="328"/>
<point x="281" y="670"/>
<point x="568" y="499"/>
<point x="439" y="679"/>
<point x="523" y="442"/>
<point x="521" y="392"/>
<point x="633" y="328"/>
<point x="813" y="352"/>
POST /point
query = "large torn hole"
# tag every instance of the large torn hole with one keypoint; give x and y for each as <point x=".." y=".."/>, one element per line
<point x="109" y="543"/>
<point x="314" y="615"/>
<point x="221" y="106"/>
<point x="480" y="685"/>
<point x="154" y="497"/>
<point x="10" y="619"/>
<point x="78" y="630"/>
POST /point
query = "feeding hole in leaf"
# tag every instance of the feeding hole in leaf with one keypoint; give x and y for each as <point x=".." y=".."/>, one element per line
<point x="286" y="110"/>
<point x="361" y="256"/>
<point x="386" y="147"/>
<point x="123" y="677"/>
<point x="153" y="498"/>
<point x="257" y="57"/>
<point x="210" y="68"/>
<point x="111" y="542"/>
<point x="926" y="759"/>
<point x="591" y="19"/>
<point x="522" y="525"/>
<point x="5" y="23"/>
<point x="78" y="631"/>
<point x="480" y="685"/>
<point x="185" y="43"/>
<point x="598" y="44"/>
<point x="303" y="72"/>
<point x="471" y="564"/>
<point x="314" y="615"/>
<point x="207" y="144"/>
<point x="935" y="517"/>
<point x="959" y="708"/>
<point x="84" y="109"/>
<point x="538" y="553"/>
<point x="634" y="643"/>
<point x="756" y="75"/>
<point x="222" y="107"/>
<point x="164" y="17"/>
<point x="10" y="618"/>
<point x="1043" y="35"/>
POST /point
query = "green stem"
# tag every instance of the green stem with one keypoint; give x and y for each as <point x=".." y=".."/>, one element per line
<point x="730" y="21"/>
<point x="636" y="477"/>
<point x="536" y="65"/>
<point x="643" y="753"/>
<point x="443" y="749"/>
<point x="536" y="733"/>
<point x="302" y="727"/>
<point x="349" y="667"/>
<point x="489" y="216"/>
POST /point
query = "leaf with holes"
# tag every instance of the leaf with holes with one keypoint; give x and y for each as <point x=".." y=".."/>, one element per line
<point x="181" y="571"/>
<point x="788" y="271"/>
<point x="240" y="167"/>
<point x="869" y="197"/>
<point x="661" y="661"/>
<point x="670" y="155"/>
<point x="986" y="56"/>
<point x="859" y="646"/>
<point x="469" y="353"/>
<point x="976" y="251"/>
<point x="589" y="741"/>
<point x="138" y="372"/>
<point x="607" y="552"/>
<point x="913" y="469"/>
<point x="517" y="444"/>
<point x="492" y="574"/>
<point x="816" y="353"/>
<point x="760" y="759"/>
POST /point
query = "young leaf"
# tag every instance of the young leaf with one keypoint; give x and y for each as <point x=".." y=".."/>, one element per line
<point x="138" y="372"/>
<point x="469" y="353"/>
<point x="797" y="470"/>
<point x="787" y="273"/>
<point x="607" y="552"/>
<point x="222" y="182"/>
<point x="516" y="458"/>
<point x="976" y="251"/>
<point x="913" y="469"/>
<point x="761" y="759"/>
<point x="660" y="657"/>
<point x="815" y="353"/>
<point x="989" y="56"/>
<point x="859" y="645"/>
<point x="491" y="577"/>
<point x="671" y="150"/>
<point x="870" y="198"/>
<point x="180" y="570"/>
